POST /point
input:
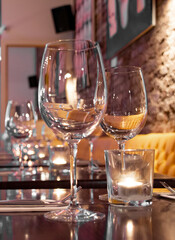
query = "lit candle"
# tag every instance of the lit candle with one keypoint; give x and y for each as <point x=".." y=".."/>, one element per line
<point x="41" y="155"/>
<point x="31" y="152"/>
<point x="130" y="189"/>
<point x="59" y="161"/>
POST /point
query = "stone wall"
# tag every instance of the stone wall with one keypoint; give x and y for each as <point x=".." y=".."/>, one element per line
<point x="155" y="53"/>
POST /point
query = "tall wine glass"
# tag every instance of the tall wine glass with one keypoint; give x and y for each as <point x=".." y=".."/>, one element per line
<point x="72" y="101"/>
<point x="20" y="118"/>
<point x="127" y="103"/>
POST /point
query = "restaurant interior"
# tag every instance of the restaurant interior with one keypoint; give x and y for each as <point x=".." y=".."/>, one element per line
<point x="63" y="183"/>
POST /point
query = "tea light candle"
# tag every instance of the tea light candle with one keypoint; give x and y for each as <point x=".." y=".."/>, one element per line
<point x="30" y="152"/>
<point x="59" y="161"/>
<point x="129" y="187"/>
<point x="41" y="155"/>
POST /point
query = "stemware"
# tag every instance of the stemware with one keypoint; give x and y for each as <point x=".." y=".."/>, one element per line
<point x="72" y="98"/>
<point x="127" y="103"/>
<point x="93" y="167"/>
<point x="20" y="118"/>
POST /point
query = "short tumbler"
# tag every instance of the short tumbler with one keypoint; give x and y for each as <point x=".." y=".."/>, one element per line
<point x="130" y="176"/>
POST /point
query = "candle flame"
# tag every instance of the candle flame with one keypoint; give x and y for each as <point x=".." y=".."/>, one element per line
<point x="129" y="182"/>
<point x="59" y="161"/>
<point x="41" y="155"/>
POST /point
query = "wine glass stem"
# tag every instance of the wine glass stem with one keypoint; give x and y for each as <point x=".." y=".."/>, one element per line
<point x="73" y="177"/>
<point x="90" y="153"/>
<point x="21" y="165"/>
<point x="121" y="145"/>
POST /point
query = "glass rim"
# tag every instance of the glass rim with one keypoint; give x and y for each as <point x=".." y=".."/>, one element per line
<point x="21" y="102"/>
<point x="124" y="68"/>
<point x="129" y="150"/>
<point x="54" y="45"/>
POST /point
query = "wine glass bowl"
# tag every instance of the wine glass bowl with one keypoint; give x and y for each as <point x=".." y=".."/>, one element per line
<point x="72" y="98"/>
<point x="127" y="103"/>
<point x="20" y="118"/>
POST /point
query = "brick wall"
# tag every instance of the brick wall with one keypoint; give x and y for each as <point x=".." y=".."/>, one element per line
<point x="155" y="53"/>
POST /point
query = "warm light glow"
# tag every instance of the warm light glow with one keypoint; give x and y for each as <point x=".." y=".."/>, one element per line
<point x="30" y="163"/>
<point x="59" y="193"/>
<point x="16" y="152"/>
<point x="130" y="228"/>
<point x="41" y="155"/>
<point x="67" y="75"/>
<point x="71" y="92"/>
<point x="40" y="169"/>
<point x="59" y="161"/>
<point x="129" y="182"/>
<point x="30" y="152"/>
<point x="44" y="176"/>
<point x="34" y="193"/>
<point x="43" y="196"/>
<point x="25" y="157"/>
<point x="26" y="236"/>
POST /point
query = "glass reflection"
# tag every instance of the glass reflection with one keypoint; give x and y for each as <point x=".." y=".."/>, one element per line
<point x="6" y="230"/>
<point x="129" y="223"/>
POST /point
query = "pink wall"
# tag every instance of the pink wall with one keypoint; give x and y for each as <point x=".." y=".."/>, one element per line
<point x="21" y="65"/>
<point x="29" y="23"/>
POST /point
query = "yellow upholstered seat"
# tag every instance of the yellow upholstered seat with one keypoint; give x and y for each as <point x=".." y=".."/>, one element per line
<point x="164" y="145"/>
<point x="49" y="135"/>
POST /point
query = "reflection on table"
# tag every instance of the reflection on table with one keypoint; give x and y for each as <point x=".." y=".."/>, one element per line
<point x="45" y="177"/>
<point x="153" y="223"/>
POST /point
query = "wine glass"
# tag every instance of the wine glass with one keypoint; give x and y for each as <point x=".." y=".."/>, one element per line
<point x="127" y="103"/>
<point x="20" y="121"/>
<point x="72" y="98"/>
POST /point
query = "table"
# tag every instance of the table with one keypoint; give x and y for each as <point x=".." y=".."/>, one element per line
<point x="57" y="177"/>
<point x="150" y="223"/>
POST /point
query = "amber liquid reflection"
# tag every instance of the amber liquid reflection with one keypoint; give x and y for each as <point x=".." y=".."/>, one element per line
<point x="129" y="223"/>
<point x="123" y="126"/>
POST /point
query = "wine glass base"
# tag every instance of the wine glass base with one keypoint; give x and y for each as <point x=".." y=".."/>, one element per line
<point x="74" y="215"/>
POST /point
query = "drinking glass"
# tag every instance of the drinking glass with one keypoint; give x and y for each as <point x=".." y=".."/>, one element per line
<point x="72" y="101"/>
<point x="20" y="118"/>
<point x="127" y="103"/>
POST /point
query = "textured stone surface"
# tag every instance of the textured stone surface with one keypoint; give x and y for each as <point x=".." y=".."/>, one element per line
<point x="155" y="53"/>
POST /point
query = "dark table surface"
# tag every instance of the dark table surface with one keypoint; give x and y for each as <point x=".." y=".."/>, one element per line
<point x="149" y="223"/>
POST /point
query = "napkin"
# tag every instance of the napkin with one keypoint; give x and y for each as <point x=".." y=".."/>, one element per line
<point x="165" y="195"/>
<point x="29" y="206"/>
